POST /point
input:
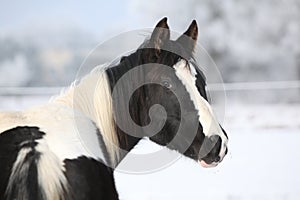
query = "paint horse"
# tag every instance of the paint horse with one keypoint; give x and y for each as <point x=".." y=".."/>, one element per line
<point x="67" y="149"/>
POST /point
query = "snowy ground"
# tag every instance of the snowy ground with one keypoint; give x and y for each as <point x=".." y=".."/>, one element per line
<point x="263" y="162"/>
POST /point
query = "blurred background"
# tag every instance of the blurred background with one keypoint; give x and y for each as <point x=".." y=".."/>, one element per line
<point x="255" y="44"/>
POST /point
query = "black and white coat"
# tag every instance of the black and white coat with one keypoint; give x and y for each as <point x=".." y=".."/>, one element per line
<point x="53" y="152"/>
<point x="67" y="149"/>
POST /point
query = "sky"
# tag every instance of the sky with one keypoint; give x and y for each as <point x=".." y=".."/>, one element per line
<point x="91" y="16"/>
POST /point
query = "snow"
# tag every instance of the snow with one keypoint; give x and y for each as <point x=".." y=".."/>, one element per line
<point x="8" y="103"/>
<point x="262" y="164"/>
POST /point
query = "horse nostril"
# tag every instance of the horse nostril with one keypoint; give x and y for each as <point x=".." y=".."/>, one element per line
<point x="217" y="159"/>
<point x="210" y="149"/>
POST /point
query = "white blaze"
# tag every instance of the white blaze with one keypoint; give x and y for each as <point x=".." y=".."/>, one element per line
<point x="205" y="113"/>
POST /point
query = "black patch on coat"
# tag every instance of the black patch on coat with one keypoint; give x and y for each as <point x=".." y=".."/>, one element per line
<point x="24" y="186"/>
<point x="90" y="179"/>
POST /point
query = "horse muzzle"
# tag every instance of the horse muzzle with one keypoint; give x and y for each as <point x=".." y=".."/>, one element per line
<point x="212" y="151"/>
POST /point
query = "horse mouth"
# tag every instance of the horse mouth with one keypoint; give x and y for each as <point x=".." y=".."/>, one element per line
<point x="206" y="165"/>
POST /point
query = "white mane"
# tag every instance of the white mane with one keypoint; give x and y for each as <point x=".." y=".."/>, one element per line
<point x="92" y="97"/>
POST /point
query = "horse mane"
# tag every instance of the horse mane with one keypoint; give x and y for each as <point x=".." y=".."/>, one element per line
<point x="92" y="96"/>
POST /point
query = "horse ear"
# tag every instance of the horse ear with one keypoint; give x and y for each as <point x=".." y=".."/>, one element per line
<point x="160" y="34"/>
<point x="189" y="38"/>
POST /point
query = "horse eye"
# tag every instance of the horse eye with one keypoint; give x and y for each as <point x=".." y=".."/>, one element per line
<point x="166" y="84"/>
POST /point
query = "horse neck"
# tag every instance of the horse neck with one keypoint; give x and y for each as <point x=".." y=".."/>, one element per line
<point x="126" y="141"/>
<point x="92" y="97"/>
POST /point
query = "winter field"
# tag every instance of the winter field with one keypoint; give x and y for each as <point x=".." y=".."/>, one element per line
<point x="252" y="42"/>
<point x="263" y="162"/>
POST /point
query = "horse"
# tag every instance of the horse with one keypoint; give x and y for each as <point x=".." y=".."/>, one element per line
<point x="68" y="147"/>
